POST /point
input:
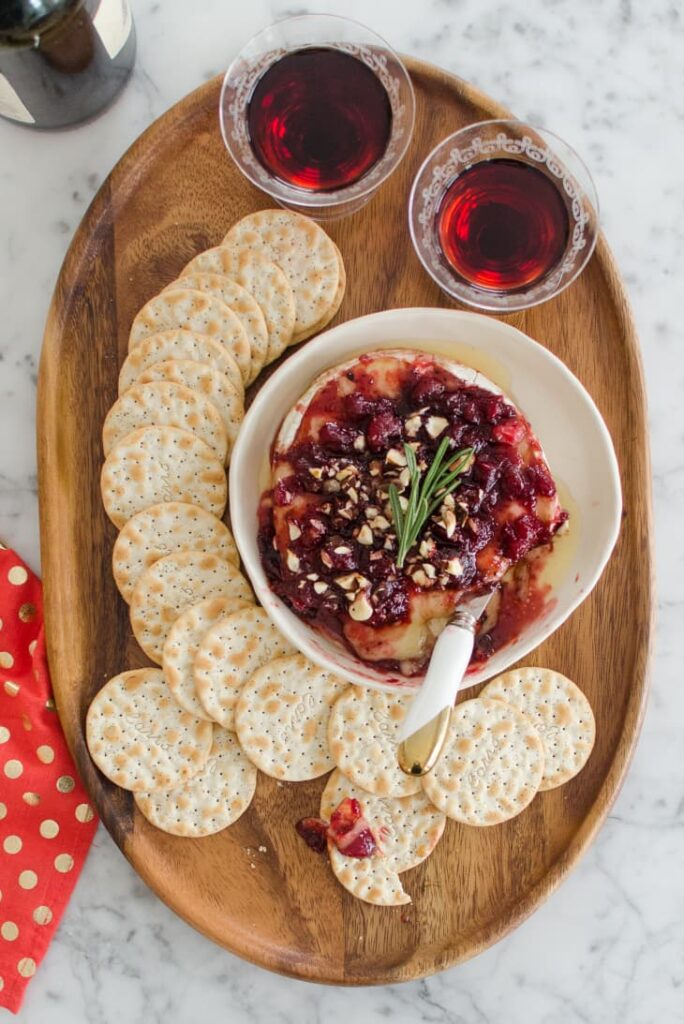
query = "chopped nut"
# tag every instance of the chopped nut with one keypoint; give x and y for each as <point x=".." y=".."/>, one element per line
<point x="405" y="477"/>
<point x="292" y="561"/>
<point x="372" y="511"/>
<point x="312" y="576"/>
<point x="361" y="608"/>
<point x="365" y="535"/>
<point x="353" y="495"/>
<point x="380" y="523"/>
<point x="346" y="582"/>
<point x="403" y="502"/>
<point x="293" y="531"/>
<point x="320" y="586"/>
<point x="375" y="468"/>
<point x="395" y="458"/>
<point x="436" y="425"/>
<point x="429" y="570"/>
<point x="331" y="486"/>
<point x="449" y="500"/>
<point x="375" y="555"/>
<point x="342" y="549"/>
<point x="412" y="425"/>
<point x="316" y="472"/>
<point x="414" y="444"/>
<point x="326" y="560"/>
<point x="346" y="513"/>
<point x="454" y="567"/>
<point x="346" y="472"/>
<point x="427" y="547"/>
<point x="389" y="543"/>
<point x="421" y="579"/>
<point x="449" y="522"/>
<point x="360" y="443"/>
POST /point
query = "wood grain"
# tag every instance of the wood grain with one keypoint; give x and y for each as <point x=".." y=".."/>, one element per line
<point x="173" y="193"/>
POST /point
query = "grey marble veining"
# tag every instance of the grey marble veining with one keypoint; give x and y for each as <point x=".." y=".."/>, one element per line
<point x="608" y="946"/>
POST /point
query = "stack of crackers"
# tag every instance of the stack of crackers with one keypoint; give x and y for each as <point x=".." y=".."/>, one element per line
<point x="230" y="695"/>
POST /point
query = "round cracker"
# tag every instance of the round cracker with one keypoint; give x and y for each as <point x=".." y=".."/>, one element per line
<point x="370" y="879"/>
<point x="245" y="307"/>
<point x="264" y="281"/>
<point x="560" y="713"/>
<point x="210" y="801"/>
<point x="230" y="652"/>
<point x="302" y="250"/>
<point x="182" y="645"/>
<point x="281" y="718"/>
<point x="407" y="828"/>
<point x="363" y="734"/>
<point x="196" y="311"/>
<point x="171" y="585"/>
<point x="140" y="738"/>
<point x="179" y="344"/>
<point x="205" y="381"/>
<point x="336" y="303"/>
<point x="161" y="464"/>
<point x="164" y="529"/>
<point x="491" y="765"/>
<point x="164" y="404"/>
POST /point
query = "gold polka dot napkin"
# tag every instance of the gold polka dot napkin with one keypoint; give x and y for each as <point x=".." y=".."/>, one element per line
<point x="46" y="822"/>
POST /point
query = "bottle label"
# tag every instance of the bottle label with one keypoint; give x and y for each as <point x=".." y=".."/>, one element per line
<point x="11" y="105"/>
<point x="113" y="23"/>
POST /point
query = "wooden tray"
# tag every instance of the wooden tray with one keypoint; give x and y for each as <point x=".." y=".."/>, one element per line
<point x="175" y="192"/>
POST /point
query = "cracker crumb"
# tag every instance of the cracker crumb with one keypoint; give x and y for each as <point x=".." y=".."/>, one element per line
<point x="263" y="849"/>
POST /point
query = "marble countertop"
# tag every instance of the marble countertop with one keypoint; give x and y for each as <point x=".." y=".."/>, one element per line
<point x="609" y="944"/>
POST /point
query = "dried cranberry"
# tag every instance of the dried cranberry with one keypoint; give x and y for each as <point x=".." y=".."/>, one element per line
<point x="314" y="832"/>
<point x="520" y="536"/>
<point x="540" y="480"/>
<point x="337" y="437"/>
<point x="478" y="531"/>
<point x="342" y="553"/>
<point x="510" y="432"/>
<point x="304" y="600"/>
<point x="472" y="411"/>
<point x="378" y="568"/>
<point x="391" y="602"/>
<point x="486" y="472"/>
<point x="492" y="409"/>
<point x="426" y="390"/>
<point x="314" y="527"/>
<point x="513" y="483"/>
<point x="383" y="431"/>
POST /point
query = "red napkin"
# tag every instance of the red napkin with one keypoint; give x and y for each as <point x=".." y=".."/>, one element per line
<point x="46" y="821"/>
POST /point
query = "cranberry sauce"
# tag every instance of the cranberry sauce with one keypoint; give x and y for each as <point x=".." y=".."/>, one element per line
<point x="319" y="119"/>
<point x="326" y="531"/>
<point x="348" y="830"/>
<point x="502" y="225"/>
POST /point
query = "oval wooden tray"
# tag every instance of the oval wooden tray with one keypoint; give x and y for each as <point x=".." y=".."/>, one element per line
<point x="176" y="192"/>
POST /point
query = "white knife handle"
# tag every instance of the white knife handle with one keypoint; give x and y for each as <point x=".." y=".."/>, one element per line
<point x="444" y="676"/>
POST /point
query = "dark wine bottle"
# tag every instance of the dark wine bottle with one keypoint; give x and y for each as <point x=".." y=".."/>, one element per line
<point x="63" y="61"/>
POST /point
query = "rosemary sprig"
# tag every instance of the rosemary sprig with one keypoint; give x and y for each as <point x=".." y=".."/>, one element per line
<point x="427" y="492"/>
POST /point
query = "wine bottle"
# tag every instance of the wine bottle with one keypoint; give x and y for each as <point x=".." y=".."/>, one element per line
<point x="63" y="61"/>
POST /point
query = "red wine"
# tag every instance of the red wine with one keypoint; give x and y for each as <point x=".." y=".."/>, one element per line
<point x="62" y="61"/>
<point x="502" y="225"/>
<point x="319" y="119"/>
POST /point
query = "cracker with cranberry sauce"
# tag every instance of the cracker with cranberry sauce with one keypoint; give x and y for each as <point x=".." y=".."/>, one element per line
<point x="163" y="404"/>
<point x="179" y="344"/>
<point x="164" y="529"/>
<point x="303" y="251"/>
<point x="182" y="645"/>
<point x="140" y="738"/>
<point x="491" y="767"/>
<point x="363" y="736"/>
<point x="229" y="653"/>
<point x="560" y="713"/>
<point x="195" y="311"/>
<point x="172" y="585"/>
<point x="161" y="464"/>
<point x="264" y="281"/>
<point x="204" y="380"/>
<point x="245" y="307"/>
<point x="211" y="800"/>
<point x="281" y="718"/>
<point x="407" y="829"/>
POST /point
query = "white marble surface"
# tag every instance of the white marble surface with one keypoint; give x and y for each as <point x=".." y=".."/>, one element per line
<point x="609" y="945"/>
